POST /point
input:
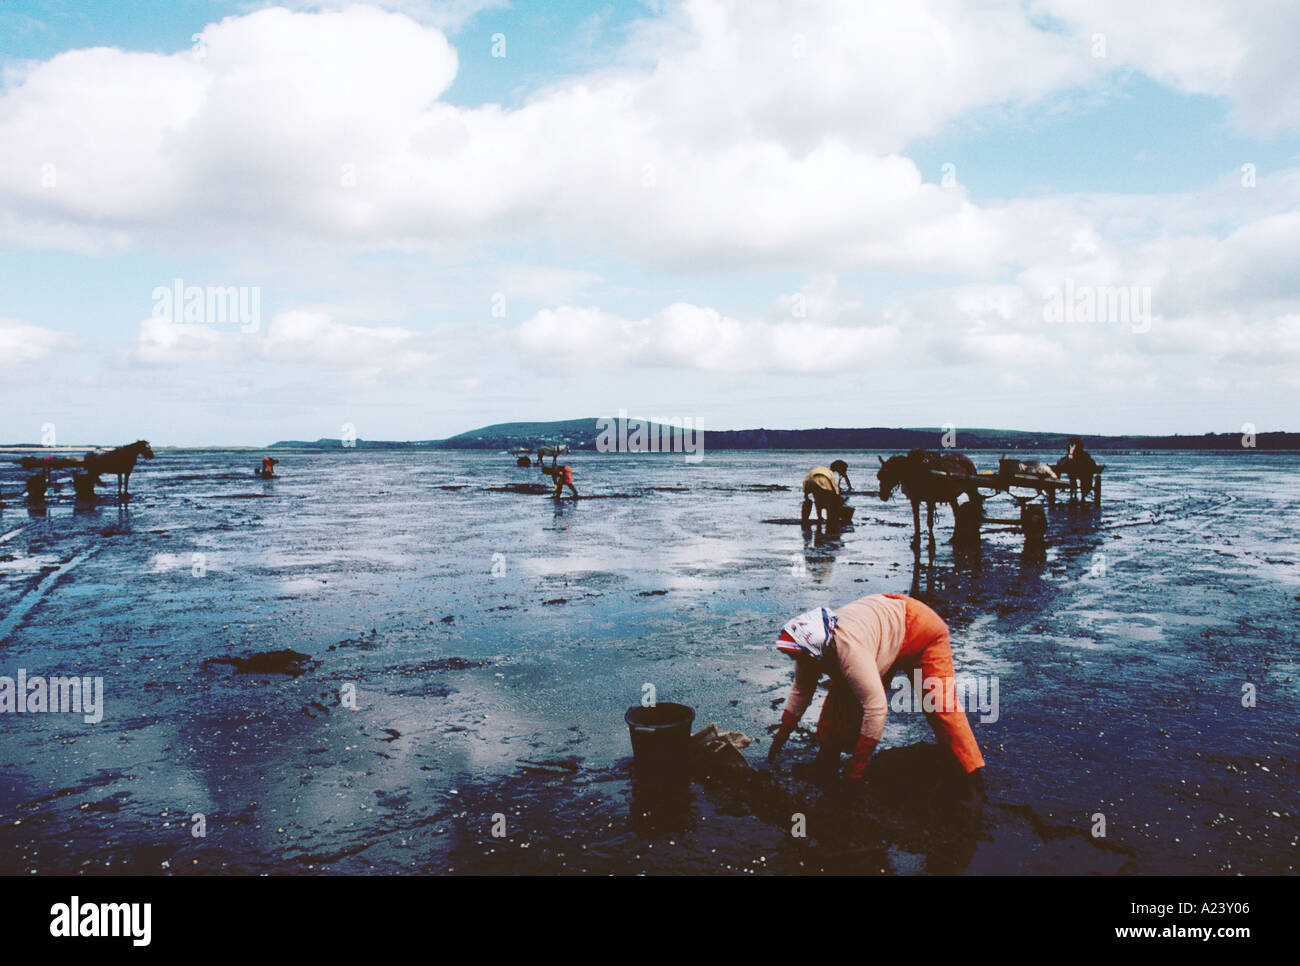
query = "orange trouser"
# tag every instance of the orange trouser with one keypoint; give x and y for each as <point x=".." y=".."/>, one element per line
<point x="925" y="646"/>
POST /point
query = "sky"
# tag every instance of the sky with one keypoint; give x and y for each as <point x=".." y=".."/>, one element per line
<point x="235" y="223"/>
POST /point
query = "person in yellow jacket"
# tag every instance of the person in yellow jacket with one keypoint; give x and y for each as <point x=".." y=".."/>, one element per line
<point x="822" y="490"/>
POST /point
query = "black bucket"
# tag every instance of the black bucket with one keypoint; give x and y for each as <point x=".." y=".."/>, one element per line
<point x="660" y="734"/>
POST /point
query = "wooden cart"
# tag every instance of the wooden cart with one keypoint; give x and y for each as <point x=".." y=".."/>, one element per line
<point x="1032" y="519"/>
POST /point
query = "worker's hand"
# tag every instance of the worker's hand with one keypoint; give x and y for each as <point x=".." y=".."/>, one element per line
<point x="856" y="769"/>
<point x="778" y="742"/>
<point x="788" y="721"/>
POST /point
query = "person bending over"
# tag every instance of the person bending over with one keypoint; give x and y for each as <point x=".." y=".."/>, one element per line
<point x="841" y="471"/>
<point x="563" y="476"/>
<point x="861" y="645"/>
<point x="821" y="490"/>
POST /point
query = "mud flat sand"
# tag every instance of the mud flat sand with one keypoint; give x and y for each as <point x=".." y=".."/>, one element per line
<point x="448" y="653"/>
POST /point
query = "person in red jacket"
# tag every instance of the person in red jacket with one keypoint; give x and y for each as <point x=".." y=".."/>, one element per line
<point x="563" y="476"/>
<point x="860" y="646"/>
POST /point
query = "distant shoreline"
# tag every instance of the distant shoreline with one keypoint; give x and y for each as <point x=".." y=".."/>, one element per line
<point x="634" y="435"/>
<point x="312" y="449"/>
<point x="625" y="434"/>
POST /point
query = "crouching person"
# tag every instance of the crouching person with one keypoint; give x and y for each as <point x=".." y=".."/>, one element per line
<point x="860" y="646"/>
<point x="821" y="490"/>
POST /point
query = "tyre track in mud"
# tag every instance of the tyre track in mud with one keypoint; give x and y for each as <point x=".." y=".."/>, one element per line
<point x="1177" y="508"/>
<point x="39" y="587"/>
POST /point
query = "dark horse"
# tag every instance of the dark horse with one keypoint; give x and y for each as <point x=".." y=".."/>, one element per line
<point x="1081" y="468"/>
<point x="912" y="473"/>
<point x="121" y="462"/>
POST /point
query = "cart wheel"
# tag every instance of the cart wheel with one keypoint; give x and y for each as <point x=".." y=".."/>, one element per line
<point x="1034" y="521"/>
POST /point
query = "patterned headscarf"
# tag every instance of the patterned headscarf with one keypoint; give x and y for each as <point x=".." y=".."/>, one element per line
<point x="808" y="633"/>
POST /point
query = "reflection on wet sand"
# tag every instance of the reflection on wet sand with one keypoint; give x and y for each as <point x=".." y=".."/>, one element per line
<point x="820" y="549"/>
<point x="905" y="820"/>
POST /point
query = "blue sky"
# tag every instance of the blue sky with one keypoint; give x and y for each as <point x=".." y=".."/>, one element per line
<point x="754" y="214"/>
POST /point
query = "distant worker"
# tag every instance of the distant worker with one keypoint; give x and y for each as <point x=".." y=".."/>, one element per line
<point x="1079" y="466"/>
<point x="841" y="470"/>
<point x="268" y="467"/>
<point x="563" y="476"/>
<point x="860" y="646"/>
<point x="820" y="489"/>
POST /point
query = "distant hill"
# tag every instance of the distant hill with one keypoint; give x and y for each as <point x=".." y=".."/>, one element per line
<point x="581" y="434"/>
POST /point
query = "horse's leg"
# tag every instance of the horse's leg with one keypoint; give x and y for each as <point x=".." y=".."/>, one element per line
<point x="929" y="519"/>
<point x="916" y="522"/>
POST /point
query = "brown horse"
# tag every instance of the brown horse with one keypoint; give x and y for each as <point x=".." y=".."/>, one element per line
<point x="120" y="462"/>
<point x="912" y="473"/>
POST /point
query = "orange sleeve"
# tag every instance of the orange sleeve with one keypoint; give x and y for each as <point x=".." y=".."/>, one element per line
<point x="807" y="673"/>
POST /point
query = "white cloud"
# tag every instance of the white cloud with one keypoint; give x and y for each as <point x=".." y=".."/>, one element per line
<point x="1244" y="51"/>
<point x="722" y="144"/>
<point x="448" y="16"/>
<point x="544" y="283"/>
<point x="22" y="343"/>
<point x="1015" y="349"/>
<point x="874" y="75"/>
<point x="160" y="342"/>
<point x="1119" y="363"/>
<point x="252" y="128"/>
<point x="690" y="337"/>
<point x="316" y="342"/>
<point x="311" y="338"/>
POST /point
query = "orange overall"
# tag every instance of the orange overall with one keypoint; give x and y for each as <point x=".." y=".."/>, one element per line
<point x="924" y="645"/>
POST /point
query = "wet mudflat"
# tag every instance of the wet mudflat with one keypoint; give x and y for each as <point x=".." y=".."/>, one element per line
<point x="376" y="662"/>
